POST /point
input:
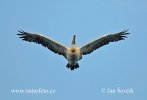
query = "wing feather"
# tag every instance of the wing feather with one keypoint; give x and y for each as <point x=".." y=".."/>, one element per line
<point x="90" y="47"/>
<point x="39" y="39"/>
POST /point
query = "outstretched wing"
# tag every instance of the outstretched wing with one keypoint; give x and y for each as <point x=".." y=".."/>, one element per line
<point x="90" y="47"/>
<point x="50" y="44"/>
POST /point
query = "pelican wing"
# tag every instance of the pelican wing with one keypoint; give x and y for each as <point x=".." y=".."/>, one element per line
<point x="50" y="44"/>
<point x="90" y="47"/>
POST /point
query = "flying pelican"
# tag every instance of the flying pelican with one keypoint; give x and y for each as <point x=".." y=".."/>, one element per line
<point x="73" y="54"/>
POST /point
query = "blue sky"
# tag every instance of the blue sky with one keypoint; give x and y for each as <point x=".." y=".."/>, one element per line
<point x="30" y="66"/>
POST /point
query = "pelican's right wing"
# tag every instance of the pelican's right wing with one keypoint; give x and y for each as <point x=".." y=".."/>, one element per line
<point x="90" y="47"/>
<point x="50" y="44"/>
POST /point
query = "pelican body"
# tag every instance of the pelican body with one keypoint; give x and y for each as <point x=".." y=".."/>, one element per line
<point x="73" y="54"/>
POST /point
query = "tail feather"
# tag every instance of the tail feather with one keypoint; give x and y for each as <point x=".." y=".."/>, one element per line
<point x="72" y="67"/>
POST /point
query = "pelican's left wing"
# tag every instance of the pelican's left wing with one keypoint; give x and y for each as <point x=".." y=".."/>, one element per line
<point x="90" y="47"/>
<point x="50" y="44"/>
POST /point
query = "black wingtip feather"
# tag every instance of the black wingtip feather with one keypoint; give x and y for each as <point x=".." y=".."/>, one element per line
<point x="125" y="32"/>
<point x="21" y="32"/>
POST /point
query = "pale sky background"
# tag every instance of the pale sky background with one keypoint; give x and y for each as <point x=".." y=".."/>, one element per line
<point x="26" y="65"/>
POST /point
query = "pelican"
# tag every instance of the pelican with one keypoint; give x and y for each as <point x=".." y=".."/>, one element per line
<point x="74" y="53"/>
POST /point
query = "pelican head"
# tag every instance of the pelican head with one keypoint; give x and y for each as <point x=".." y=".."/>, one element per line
<point x="74" y="40"/>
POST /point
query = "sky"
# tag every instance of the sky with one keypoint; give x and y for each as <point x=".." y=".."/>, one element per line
<point x="28" y="66"/>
